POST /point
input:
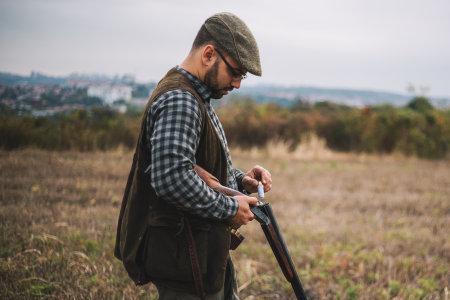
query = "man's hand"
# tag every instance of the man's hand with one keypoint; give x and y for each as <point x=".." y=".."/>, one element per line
<point x="251" y="178"/>
<point x="244" y="214"/>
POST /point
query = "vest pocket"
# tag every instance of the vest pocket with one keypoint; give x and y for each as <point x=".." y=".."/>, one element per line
<point x="166" y="255"/>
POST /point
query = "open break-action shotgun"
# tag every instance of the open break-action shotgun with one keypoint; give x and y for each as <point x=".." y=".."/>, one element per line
<point x="264" y="215"/>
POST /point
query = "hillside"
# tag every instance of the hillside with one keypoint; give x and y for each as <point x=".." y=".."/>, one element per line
<point x="261" y="93"/>
<point x="288" y="95"/>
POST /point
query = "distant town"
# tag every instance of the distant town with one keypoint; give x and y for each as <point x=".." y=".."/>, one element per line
<point x="42" y="95"/>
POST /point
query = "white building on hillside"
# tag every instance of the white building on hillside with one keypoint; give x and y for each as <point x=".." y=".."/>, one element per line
<point x="110" y="93"/>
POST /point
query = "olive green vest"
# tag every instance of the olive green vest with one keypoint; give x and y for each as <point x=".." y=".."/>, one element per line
<point x="150" y="237"/>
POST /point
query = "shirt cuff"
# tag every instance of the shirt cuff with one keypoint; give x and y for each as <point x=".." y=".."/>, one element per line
<point x="234" y="207"/>
<point x="239" y="176"/>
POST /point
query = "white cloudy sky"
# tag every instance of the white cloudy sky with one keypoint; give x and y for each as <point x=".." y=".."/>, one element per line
<point x="382" y="45"/>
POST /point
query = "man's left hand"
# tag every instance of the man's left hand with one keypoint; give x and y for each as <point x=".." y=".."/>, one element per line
<point x="251" y="178"/>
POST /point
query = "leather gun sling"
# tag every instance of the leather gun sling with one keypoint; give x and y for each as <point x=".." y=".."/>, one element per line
<point x="196" y="273"/>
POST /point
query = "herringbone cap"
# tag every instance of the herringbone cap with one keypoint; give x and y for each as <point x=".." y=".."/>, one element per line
<point x="236" y="39"/>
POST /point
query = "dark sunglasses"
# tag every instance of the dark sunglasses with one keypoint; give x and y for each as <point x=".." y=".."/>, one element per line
<point x="235" y="73"/>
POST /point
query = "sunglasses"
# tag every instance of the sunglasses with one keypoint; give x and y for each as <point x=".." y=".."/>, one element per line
<point x="235" y="73"/>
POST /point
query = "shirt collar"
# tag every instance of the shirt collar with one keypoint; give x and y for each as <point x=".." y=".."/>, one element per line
<point x="202" y="89"/>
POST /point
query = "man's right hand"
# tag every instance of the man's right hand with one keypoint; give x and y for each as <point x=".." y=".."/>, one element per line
<point x="244" y="214"/>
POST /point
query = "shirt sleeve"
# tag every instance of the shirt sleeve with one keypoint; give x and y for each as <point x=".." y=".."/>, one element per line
<point x="173" y="131"/>
<point x="239" y="175"/>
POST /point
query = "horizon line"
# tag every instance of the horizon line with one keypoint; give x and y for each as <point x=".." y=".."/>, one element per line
<point x="110" y="76"/>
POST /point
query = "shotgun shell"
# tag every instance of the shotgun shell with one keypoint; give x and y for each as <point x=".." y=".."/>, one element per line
<point x="260" y="191"/>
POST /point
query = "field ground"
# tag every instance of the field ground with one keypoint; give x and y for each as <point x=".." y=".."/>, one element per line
<point x="358" y="227"/>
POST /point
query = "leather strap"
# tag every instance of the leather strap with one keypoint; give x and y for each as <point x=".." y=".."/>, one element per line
<point x="196" y="273"/>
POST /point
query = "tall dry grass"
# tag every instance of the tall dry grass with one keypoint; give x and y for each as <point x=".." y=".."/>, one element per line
<point x="358" y="227"/>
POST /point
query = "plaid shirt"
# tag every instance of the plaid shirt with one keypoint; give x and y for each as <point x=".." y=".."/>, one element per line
<point x="173" y="129"/>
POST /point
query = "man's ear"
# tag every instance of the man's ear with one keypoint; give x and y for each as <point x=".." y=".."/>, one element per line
<point x="208" y="55"/>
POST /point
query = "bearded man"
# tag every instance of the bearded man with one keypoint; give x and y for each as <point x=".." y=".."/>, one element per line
<point x="174" y="230"/>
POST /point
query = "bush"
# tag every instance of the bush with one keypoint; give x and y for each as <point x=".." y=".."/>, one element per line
<point x="422" y="131"/>
<point x="98" y="129"/>
<point x="416" y="129"/>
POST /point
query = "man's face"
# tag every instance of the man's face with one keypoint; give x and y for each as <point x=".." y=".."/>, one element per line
<point x="221" y="78"/>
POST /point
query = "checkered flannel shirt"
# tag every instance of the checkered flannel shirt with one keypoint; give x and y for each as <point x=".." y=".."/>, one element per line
<point x="173" y="129"/>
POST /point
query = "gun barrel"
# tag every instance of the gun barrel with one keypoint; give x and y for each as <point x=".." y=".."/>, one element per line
<point x="279" y="248"/>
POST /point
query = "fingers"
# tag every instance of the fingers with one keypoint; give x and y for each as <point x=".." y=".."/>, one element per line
<point x="256" y="174"/>
<point x="267" y="187"/>
<point x="252" y="182"/>
<point x="250" y="216"/>
<point x="262" y="174"/>
<point x="252" y="201"/>
<point x="244" y="215"/>
<point x="265" y="177"/>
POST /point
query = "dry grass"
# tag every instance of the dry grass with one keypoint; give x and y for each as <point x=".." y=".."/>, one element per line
<point x="358" y="227"/>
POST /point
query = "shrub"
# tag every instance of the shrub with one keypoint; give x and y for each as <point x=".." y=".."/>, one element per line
<point x="417" y="129"/>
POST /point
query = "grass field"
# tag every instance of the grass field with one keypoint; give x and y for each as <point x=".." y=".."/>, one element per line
<point x="358" y="227"/>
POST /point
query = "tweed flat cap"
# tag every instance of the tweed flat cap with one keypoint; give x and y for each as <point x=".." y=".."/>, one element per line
<point x="236" y="39"/>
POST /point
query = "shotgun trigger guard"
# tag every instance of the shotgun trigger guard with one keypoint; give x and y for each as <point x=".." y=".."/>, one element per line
<point x="260" y="214"/>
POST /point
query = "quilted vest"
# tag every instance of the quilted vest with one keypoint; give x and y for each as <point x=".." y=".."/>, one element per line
<point x="150" y="240"/>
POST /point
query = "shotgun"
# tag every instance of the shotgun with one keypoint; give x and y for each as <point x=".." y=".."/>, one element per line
<point x="264" y="215"/>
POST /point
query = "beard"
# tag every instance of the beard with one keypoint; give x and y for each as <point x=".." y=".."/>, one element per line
<point x="211" y="81"/>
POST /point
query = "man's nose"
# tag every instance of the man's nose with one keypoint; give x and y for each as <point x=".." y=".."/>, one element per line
<point x="236" y="83"/>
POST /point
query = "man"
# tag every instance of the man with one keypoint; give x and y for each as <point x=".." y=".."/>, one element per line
<point x="174" y="230"/>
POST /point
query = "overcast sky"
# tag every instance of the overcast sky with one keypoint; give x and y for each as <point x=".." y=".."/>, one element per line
<point x="380" y="45"/>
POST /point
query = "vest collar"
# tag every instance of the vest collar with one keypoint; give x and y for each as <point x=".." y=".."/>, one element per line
<point x="202" y="89"/>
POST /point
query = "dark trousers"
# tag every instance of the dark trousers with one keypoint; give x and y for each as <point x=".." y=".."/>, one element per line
<point x="228" y="292"/>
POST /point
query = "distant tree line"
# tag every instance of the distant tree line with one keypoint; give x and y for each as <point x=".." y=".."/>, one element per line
<point x="416" y="129"/>
<point x="82" y="130"/>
